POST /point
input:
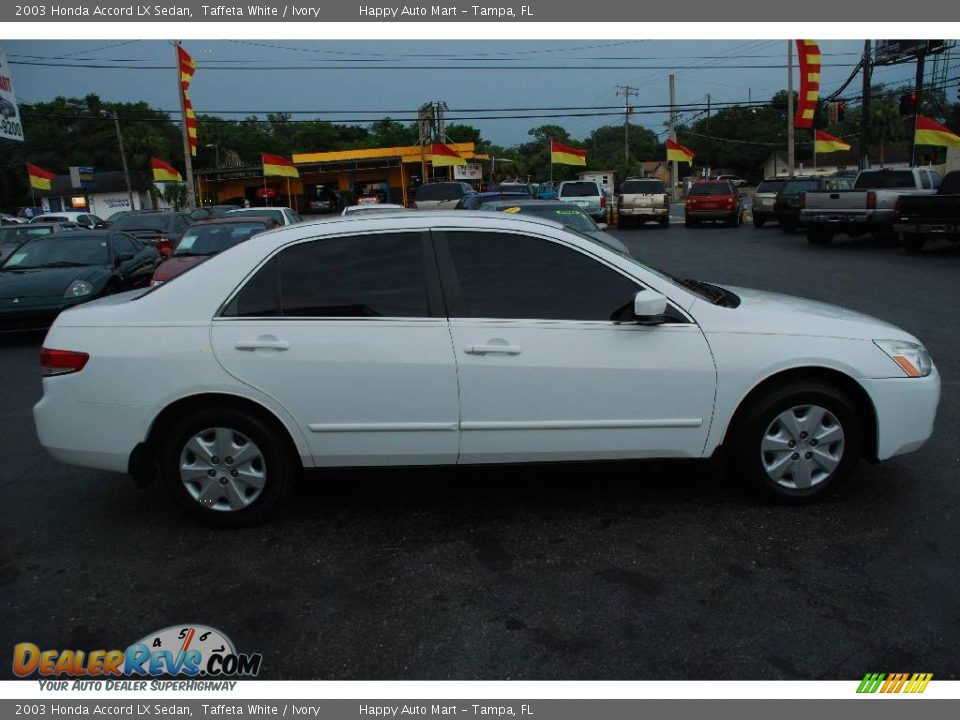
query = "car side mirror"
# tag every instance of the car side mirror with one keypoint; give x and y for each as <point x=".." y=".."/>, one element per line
<point x="648" y="308"/>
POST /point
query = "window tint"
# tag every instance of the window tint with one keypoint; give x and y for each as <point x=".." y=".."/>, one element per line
<point x="884" y="179"/>
<point x="641" y="187"/>
<point x="360" y="276"/>
<point x="935" y="179"/>
<point x="770" y="186"/>
<point x="440" y="191"/>
<point x="716" y="188"/>
<point x="925" y="180"/>
<point x="516" y="276"/>
<point x="580" y="189"/>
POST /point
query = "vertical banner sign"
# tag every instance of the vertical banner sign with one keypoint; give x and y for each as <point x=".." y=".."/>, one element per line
<point x="187" y="69"/>
<point x="11" y="127"/>
<point x="808" y="53"/>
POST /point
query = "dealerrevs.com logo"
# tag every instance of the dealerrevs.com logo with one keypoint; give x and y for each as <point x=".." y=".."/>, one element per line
<point x="894" y="683"/>
<point x="179" y="650"/>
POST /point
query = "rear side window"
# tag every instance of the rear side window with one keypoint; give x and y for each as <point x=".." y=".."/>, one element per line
<point x="579" y="189"/>
<point x="770" y="186"/>
<point x="516" y="276"/>
<point x="440" y="191"/>
<point x="884" y="179"/>
<point x="643" y="187"/>
<point x="360" y="276"/>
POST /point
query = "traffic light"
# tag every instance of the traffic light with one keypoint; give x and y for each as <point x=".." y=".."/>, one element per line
<point x="908" y="104"/>
<point x="841" y="111"/>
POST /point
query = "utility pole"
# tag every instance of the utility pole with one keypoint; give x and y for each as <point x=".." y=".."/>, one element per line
<point x="626" y="91"/>
<point x="709" y="142"/>
<point x="865" y="108"/>
<point x="673" y="136"/>
<point x="123" y="159"/>
<point x="187" y="157"/>
<point x="921" y="56"/>
<point x="790" y="136"/>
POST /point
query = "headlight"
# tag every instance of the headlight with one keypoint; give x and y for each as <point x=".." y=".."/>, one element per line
<point x="78" y="288"/>
<point x="912" y="358"/>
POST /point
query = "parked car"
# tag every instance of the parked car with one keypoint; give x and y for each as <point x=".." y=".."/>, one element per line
<point x="280" y="215"/>
<point x="206" y="212"/>
<point x="786" y="207"/>
<point x="920" y="218"/>
<point x="83" y="219"/>
<point x="713" y="200"/>
<point x="868" y="209"/>
<point x="326" y="200"/>
<point x="733" y="180"/>
<point x="519" y="340"/>
<point x="160" y="228"/>
<point x="7" y="219"/>
<point x="13" y="236"/>
<point x="352" y="210"/>
<point x="207" y="238"/>
<point x="441" y="195"/>
<point x="547" y="190"/>
<point x="585" y="194"/>
<point x="567" y="214"/>
<point x="54" y="272"/>
<point x="641" y="200"/>
<point x="764" y="198"/>
<point x="473" y="201"/>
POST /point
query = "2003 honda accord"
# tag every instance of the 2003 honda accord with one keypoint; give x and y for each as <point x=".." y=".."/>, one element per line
<point x="446" y="338"/>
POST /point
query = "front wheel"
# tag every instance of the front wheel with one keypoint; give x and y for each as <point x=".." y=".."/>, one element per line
<point x="226" y="467"/>
<point x="797" y="441"/>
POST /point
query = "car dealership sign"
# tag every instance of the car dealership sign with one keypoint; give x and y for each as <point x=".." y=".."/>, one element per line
<point x="10" y="126"/>
<point x="471" y="171"/>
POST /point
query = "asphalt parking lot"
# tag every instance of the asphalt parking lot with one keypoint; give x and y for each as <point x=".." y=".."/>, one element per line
<point x="595" y="571"/>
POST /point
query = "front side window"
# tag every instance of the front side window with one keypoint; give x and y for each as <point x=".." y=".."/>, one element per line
<point x="503" y="275"/>
<point x="358" y="276"/>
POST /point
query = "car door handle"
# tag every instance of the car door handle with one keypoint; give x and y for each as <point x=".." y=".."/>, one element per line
<point x="492" y="349"/>
<point x="263" y="344"/>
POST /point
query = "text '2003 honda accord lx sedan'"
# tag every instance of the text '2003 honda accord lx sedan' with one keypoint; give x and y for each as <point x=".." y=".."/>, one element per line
<point x="465" y="338"/>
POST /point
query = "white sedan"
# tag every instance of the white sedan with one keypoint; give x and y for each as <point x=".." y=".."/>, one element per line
<point x="459" y="338"/>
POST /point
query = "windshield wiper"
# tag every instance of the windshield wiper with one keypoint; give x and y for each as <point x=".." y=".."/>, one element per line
<point x="716" y="295"/>
<point x="58" y="264"/>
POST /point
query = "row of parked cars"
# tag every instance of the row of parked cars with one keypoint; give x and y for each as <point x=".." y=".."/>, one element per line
<point x="57" y="261"/>
<point x="911" y="205"/>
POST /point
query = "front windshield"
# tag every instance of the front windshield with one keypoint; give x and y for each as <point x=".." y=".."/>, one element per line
<point x="571" y="217"/>
<point x="23" y="233"/>
<point x="60" y="251"/>
<point x="212" y="239"/>
<point x="276" y="215"/>
<point x="158" y="222"/>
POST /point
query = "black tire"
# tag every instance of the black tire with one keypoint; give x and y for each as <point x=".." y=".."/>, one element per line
<point x="734" y="220"/>
<point x="787" y="226"/>
<point x="759" y="221"/>
<point x="664" y="222"/>
<point x="816" y="236"/>
<point x="745" y="458"/>
<point x="913" y="243"/>
<point x="278" y="465"/>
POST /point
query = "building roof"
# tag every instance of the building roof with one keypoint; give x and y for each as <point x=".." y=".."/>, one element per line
<point x="107" y="181"/>
<point x="408" y="153"/>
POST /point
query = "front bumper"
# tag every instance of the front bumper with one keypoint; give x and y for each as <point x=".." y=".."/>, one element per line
<point x="906" y="409"/>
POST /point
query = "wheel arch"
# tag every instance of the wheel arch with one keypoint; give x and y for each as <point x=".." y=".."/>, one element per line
<point x="142" y="464"/>
<point x="844" y="382"/>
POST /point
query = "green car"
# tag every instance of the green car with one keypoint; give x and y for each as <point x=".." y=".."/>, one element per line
<point x="51" y="273"/>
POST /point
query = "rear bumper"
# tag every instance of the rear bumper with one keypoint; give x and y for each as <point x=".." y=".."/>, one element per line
<point x="712" y="214"/>
<point x="946" y="228"/>
<point x="650" y="213"/>
<point x="846" y="218"/>
<point x="906" y="410"/>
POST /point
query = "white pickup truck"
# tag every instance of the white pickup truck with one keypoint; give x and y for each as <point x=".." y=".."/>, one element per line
<point x="869" y="208"/>
<point x="643" y="199"/>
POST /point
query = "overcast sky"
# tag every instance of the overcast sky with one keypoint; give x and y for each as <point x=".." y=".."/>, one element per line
<point x="387" y="86"/>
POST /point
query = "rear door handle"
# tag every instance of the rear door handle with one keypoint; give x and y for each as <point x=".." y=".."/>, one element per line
<point x="492" y="349"/>
<point x="262" y="344"/>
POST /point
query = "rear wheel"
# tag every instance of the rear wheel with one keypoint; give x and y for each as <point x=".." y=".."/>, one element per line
<point x="816" y="236"/>
<point x="226" y="467"/>
<point x="797" y="441"/>
<point x="913" y="243"/>
<point x="734" y="220"/>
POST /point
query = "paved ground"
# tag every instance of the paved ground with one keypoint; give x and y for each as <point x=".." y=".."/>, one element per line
<point x="632" y="571"/>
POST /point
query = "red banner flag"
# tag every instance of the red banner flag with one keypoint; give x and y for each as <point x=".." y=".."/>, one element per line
<point x="809" y="53"/>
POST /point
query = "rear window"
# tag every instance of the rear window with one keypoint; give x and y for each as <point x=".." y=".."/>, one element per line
<point x="159" y="222"/>
<point x="884" y="180"/>
<point x="440" y="191"/>
<point x="771" y="186"/>
<point x="711" y="189"/>
<point x="579" y="189"/>
<point x="642" y="187"/>
<point x="795" y="187"/>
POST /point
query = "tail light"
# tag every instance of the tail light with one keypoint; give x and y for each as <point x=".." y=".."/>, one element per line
<point x="603" y="201"/>
<point x="898" y="208"/>
<point x="730" y="202"/>
<point x="62" y="362"/>
<point x="871" y="200"/>
<point x="164" y="247"/>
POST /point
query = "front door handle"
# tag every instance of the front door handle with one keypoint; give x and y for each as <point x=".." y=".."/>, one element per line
<point x="262" y="344"/>
<point x="492" y="349"/>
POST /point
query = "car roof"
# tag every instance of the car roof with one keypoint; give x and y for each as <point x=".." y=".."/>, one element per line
<point x="255" y="210"/>
<point x="261" y="219"/>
